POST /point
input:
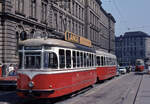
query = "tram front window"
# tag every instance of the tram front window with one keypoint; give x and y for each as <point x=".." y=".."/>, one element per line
<point x="33" y="60"/>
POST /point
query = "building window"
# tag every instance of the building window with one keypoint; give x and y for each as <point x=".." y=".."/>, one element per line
<point x="19" y="6"/>
<point x="69" y="21"/>
<point x="73" y="7"/>
<point x="76" y="28"/>
<point x="80" y="13"/>
<point x="73" y="26"/>
<point x="55" y="21"/>
<point x="44" y="11"/>
<point x="76" y="10"/>
<point x="61" y="23"/>
<point x="33" y="8"/>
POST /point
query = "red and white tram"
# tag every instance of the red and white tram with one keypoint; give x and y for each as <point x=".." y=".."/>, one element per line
<point x="139" y="65"/>
<point x="51" y="68"/>
<point x="106" y="65"/>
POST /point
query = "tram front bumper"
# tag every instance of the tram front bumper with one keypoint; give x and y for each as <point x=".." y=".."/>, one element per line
<point x="35" y="92"/>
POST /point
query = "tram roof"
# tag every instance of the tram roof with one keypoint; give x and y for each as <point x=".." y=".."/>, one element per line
<point x="105" y="54"/>
<point x="55" y="42"/>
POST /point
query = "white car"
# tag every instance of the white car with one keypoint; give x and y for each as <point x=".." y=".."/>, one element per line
<point x="122" y="70"/>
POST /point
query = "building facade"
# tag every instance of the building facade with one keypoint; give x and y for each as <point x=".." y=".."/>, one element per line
<point x="99" y="26"/>
<point x="132" y="46"/>
<point x="25" y="19"/>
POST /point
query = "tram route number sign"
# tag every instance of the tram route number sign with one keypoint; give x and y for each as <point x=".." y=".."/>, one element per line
<point x="69" y="36"/>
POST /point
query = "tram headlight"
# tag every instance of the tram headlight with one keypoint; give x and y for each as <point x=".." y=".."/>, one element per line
<point x="31" y="84"/>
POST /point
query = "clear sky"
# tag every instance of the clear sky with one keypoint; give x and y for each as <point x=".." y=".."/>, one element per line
<point x="130" y="15"/>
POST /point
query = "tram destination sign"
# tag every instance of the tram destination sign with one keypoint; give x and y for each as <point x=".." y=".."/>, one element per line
<point x="32" y="47"/>
<point x="71" y="37"/>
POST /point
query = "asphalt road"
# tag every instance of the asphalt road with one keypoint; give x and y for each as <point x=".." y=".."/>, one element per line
<point x="120" y="90"/>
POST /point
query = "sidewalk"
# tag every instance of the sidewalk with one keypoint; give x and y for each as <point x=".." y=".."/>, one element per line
<point x="143" y="96"/>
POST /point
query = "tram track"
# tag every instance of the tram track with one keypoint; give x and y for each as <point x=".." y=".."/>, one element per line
<point x="138" y="89"/>
<point x="109" y="93"/>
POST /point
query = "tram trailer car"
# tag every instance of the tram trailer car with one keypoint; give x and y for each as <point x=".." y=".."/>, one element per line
<point x="51" y="68"/>
<point x="139" y="65"/>
<point x="106" y="65"/>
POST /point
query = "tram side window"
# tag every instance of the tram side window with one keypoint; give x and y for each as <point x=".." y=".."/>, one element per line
<point x="98" y="60"/>
<point x="85" y="61"/>
<point x="113" y="62"/>
<point x="88" y="60"/>
<point x="62" y="58"/>
<point x="106" y="60"/>
<point x="92" y="60"/>
<point x="74" y="59"/>
<point x="81" y="56"/>
<point x="68" y="59"/>
<point x="102" y="61"/>
<point x="95" y="60"/>
<point x="78" y="59"/>
<point x="110" y="61"/>
<point x="107" y="63"/>
<point x="50" y="60"/>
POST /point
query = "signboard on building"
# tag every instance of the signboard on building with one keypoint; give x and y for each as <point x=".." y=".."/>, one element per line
<point x="71" y="37"/>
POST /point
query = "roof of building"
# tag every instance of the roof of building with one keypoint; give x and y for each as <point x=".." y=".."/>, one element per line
<point x="136" y="34"/>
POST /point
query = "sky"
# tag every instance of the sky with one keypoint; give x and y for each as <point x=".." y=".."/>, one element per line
<point x="130" y="15"/>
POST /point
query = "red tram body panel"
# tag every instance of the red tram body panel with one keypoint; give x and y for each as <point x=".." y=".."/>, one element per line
<point x="139" y="68"/>
<point x="139" y="65"/>
<point x="57" y="84"/>
<point x="104" y="73"/>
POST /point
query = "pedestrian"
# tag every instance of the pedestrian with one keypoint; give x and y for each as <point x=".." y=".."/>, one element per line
<point x="11" y="70"/>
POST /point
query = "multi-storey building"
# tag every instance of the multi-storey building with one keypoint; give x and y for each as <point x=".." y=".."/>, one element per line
<point x="24" y="19"/>
<point x="132" y="46"/>
<point x="99" y="26"/>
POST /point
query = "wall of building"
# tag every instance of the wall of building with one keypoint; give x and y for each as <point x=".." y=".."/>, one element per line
<point x="132" y="46"/>
<point x="83" y="17"/>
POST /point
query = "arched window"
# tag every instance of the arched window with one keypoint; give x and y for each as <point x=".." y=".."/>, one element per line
<point x="23" y="35"/>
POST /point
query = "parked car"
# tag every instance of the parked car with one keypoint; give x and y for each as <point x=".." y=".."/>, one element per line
<point x="122" y="70"/>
